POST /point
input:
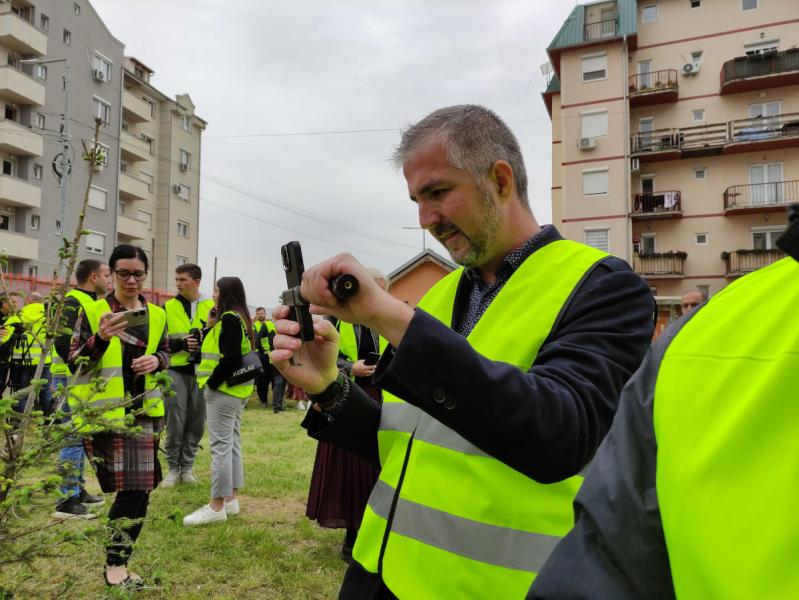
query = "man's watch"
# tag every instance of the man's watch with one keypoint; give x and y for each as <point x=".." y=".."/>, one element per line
<point x="334" y="393"/>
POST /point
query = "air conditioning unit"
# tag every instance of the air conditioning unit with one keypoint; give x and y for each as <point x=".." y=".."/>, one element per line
<point x="184" y="167"/>
<point x="98" y="75"/>
<point x="586" y="143"/>
<point x="635" y="165"/>
<point x="690" y="69"/>
<point x="176" y="188"/>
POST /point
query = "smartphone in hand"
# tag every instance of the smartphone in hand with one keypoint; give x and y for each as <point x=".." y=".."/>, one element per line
<point x="135" y="317"/>
<point x="291" y="254"/>
<point x="371" y="359"/>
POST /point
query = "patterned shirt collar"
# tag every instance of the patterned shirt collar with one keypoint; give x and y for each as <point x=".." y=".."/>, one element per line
<point x="514" y="258"/>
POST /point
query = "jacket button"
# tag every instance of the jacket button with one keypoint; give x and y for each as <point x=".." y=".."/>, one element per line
<point x="449" y="403"/>
<point x="439" y="395"/>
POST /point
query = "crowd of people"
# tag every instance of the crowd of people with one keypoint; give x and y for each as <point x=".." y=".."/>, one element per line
<point x="515" y="434"/>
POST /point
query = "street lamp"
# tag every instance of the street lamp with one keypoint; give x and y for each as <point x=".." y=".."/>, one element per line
<point x="424" y="238"/>
<point x="65" y="168"/>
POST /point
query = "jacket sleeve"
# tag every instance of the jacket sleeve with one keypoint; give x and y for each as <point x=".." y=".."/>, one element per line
<point x="229" y="348"/>
<point x="548" y="422"/>
<point x="617" y="549"/>
<point x="69" y="317"/>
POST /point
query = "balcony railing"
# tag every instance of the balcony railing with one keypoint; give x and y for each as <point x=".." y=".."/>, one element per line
<point x="761" y="195"/>
<point x="661" y="204"/>
<point x="599" y="30"/>
<point x="759" y="65"/>
<point x="660" y="265"/>
<point x="653" y="81"/>
<point x="764" y="128"/>
<point x="741" y="262"/>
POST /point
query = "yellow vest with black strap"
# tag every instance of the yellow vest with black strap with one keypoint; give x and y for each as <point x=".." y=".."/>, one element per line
<point x="29" y="347"/>
<point x="348" y="344"/>
<point x="109" y="367"/>
<point x="257" y="326"/>
<point x="84" y="299"/>
<point x="446" y="520"/>
<point x="179" y="325"/>
<point x="726" y="420"/>
<point x="211" y="355"/>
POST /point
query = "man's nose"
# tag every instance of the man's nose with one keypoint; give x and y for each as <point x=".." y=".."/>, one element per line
<point x="427" y="216"/>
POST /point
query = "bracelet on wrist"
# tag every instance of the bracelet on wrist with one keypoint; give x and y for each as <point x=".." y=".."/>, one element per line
<point x="334" y="394"/>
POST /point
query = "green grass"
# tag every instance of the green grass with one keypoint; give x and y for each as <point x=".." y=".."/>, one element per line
<point x="270" y="550"/>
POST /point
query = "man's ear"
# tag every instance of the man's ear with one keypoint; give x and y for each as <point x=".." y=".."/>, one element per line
<point x="502" y="175"/>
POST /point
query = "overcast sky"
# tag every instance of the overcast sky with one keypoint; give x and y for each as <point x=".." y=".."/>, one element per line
<point x="257" y="70"/>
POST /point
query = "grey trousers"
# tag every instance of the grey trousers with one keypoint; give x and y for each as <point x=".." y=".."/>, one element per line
<point x="185" y="421"/>
<point x="224" y="432"/>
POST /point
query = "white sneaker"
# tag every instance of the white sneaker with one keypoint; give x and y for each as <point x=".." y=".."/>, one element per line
<point x="204" y="515"/>
<point x="171" y="480"/>
<point x="232" y="507"/>
<point x="188" y="477"/>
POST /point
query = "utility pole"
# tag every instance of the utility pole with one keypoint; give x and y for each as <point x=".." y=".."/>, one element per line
<point x="215" y="259"/>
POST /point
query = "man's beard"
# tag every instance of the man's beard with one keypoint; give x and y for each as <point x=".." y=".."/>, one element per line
<point x="481" y="242"/>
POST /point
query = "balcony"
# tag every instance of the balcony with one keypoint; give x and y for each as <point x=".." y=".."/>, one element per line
<point x="760" y="197"/>
<point x="131" y="188"/>
<point x="655" y="87"/>
<point x="741" y="262"/>
<point x="18" y="139"/>
<point x="660" y="265"/>
<point x="732" y="137"/>
<point x="16" y="245"/>
<point x="19" y="88"/>
<point x="657" y="205"/>
<point x="134" y="149"/>
<point x="599" y="30"/>
<point x="135" y="109"/>
<point x="19" y="35"/>
<point x="17" y="192"/>
<point x="760" y="71"/>
<point x="131" y="229"/>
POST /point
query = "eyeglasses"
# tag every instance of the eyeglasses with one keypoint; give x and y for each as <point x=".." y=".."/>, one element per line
<point x="124" y="274"/>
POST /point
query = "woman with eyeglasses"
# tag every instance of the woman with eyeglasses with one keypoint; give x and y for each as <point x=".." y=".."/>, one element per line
<point x="127" y="356"/>
<point x="224" y="346"/>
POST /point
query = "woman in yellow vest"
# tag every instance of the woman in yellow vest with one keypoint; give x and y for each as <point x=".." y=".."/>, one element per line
<point x="127" y="357"/>
<point x="230" y="338"/>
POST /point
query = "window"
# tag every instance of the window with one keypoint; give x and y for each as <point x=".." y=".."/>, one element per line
<point x="597" y="238"/>
<point x="76" y="8"/>
<point x="8" y="167"/>
<point x="768" y="111"/>
<point x="595" y="182"/>
<point x="645" y="74"/>
<point x="67" y="37"/>
<point x="648" y="243"/>
<point x="766" y="184"/>
<point x="146" y="216"/>
<point x="101" y="66"/>
<point x="151" y="104"/>
<point x="33" y="271"/>
<point x="182" y="260"/>
<point x="184" y="192"/>
<point x="185" y="123"/>
<point x="121" y="207"/>
<point x="183" y="229"/>
<point x="58" y="227"/>
<point x="701" y="239"/>
<point x="700" y="173"/>
<point x="765" y="238"/>
<point x="102" y="109"/>
<point x="696" y="3"/>
<point x="767" y="47"/>
<point x="594" y="124"/>
<point x="748" y="4"/>
<point x="12" y="61"/>
<point x="595" y="67"/>
<point x="6" y="220"/>
<point x="148" y="179"/>
<point x="38" y="170"/>
<point x="123" y="166"/>
<point x="149" y="141"/>
<point x="10" y="112"/>
<point x="41" y="71"/>
<point x="40" y="121"/>
<point x="649" y="14"/>
<point x="95" y="242"/>
<point x="185" y="160"/>
<point x="44" y="22"/>
<point x="698" y="115"/>
<point x="98" y="197"/>
<point x="36" y="221"/>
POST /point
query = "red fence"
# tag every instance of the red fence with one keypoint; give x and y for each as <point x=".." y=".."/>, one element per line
<point x="26" y="283"/>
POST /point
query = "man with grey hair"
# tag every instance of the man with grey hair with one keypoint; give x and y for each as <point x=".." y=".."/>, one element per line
<point x="691" y="300"/>
<point x="497" y="388"/>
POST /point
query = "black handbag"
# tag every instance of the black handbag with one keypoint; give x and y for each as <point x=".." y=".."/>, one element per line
<point x="250" y="369"/>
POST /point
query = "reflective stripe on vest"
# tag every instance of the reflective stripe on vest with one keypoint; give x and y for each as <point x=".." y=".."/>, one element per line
<point x="211" y="356"/>
<point x="465" y="524"/>
<point x="726" y="421"/>
<point x="179" y="325"/>
<point x="60" y="367"/>
<point x="112" y="391"/>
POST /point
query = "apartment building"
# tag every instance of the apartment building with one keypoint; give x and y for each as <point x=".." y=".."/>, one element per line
<point x="159" y="188"/>
<point x="675" y="134"/>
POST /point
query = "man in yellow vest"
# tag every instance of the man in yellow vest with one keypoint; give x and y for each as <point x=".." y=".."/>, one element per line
<point x="262" y="381"/>
<point x="694" y="492"/>
<point x="186" y="317"/>
<point x="497" y="388"/>
<point x="27" y="352"/>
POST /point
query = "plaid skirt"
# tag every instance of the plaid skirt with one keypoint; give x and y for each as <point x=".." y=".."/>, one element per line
<point x="127" y="462"/>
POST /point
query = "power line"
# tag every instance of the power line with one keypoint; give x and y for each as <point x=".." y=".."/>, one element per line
<point x="299" y="133"/>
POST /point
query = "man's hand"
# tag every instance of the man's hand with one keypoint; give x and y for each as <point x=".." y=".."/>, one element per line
<point x="110" y="325"/>
<point x="191" y="343"/>
<point x="361" y="369"/>
<point x="145" y="364"/>
<point x="371" y="305"/>
<point x="315" y="361"/>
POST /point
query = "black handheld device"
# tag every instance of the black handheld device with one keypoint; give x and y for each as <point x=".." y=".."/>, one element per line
<point x="371" y="359"/>
<point x="291" y="254"/>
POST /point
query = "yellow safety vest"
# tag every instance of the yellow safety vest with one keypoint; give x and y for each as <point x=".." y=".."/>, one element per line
<point x="30" y="345"/>
<point x="178" y="324"/>
<point x="211" y="355"/>
<point x="445" y="519"/>
<point x="348" y="344"/>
